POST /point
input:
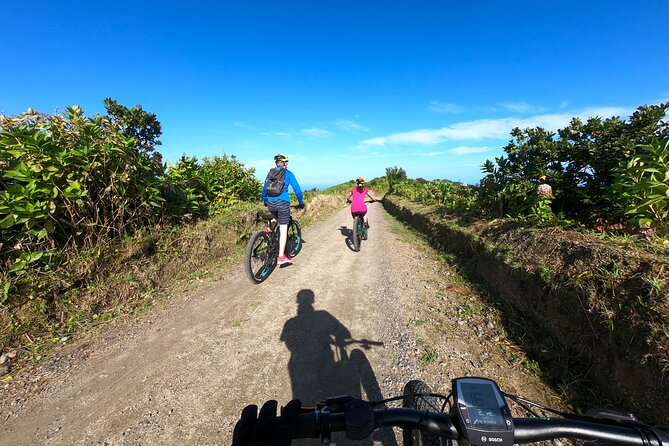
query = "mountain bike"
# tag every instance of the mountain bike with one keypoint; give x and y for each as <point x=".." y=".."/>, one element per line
<point x="262" y="249"/>
<point x="477" y="415"/>
<point x="360" y="230"/>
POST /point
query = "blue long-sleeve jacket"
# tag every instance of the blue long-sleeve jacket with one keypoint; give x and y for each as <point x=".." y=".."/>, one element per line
<point x="289" y="180"/>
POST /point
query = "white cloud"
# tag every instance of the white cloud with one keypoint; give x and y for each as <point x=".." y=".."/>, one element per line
<point x="315" y="132"/>
<point x="444" y="107"/>
<point x="523" y="107"/>
<point x="429" y="154"/>
<point x="349" y="125"/>
<point x="242" y="125"/>
<point x="484" y="128"/>
<point x="490" y="128"/>
<point x="281" y="134"/>
<point x="605" y="112"/>
<point x="465" y="150"/>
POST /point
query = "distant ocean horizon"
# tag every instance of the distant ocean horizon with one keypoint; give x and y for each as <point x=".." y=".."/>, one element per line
<point x="315" y="186"/>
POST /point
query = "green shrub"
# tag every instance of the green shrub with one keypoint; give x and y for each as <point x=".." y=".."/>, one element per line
<point x="203" y="189"/>
<point x="642" y="184"/>
<point x="77" y="181"/>
<point x="581" y="163"/>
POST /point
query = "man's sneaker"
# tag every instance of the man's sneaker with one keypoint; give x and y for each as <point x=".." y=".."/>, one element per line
<point x="282" y="260"/>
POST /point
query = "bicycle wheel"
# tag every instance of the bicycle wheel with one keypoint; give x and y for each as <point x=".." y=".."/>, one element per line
<point x="294" y="240"/>
<point x="357" y="233"/>
<point x="259" y="259"/>
<point x="412" y="399"/>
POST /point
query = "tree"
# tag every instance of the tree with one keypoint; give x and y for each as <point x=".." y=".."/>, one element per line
<point x="137" y="123"/>
<point x="395" y="175"/>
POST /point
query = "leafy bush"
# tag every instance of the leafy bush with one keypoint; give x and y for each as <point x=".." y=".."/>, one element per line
<point x="581" y="163"/>
<point x="72" y="179"/>
<point x="642" y="184"/>
<point x="76" y="181"/>
<point x="207" y="188"/>
<point x="443" y="193"/>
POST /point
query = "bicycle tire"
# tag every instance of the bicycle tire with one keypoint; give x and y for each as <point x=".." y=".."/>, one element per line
<point x="294" y="240"/>
<point x="259" y="259"/>
<point x="413" y="399"/>
<point x="357" y="233"/>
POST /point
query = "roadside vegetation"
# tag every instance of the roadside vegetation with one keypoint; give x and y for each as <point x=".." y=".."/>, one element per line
<point x="608" y="175"/>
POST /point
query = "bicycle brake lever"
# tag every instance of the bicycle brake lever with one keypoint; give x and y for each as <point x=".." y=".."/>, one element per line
<point x="359" y="416"/>
<point x="337" y="403"/>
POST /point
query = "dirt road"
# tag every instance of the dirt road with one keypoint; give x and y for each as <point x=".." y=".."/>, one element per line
<point x="182" y="374"/>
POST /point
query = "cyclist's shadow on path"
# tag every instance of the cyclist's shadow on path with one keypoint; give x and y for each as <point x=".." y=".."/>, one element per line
<point x="320" y="365"/>
<point x="348" y="233"/>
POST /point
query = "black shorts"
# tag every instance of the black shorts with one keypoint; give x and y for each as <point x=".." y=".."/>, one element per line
<point x="281" y="209"/>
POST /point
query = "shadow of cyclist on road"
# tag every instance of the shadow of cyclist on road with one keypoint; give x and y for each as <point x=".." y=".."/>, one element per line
<point x="348" y="233"/>
<point x="320" y="364"/>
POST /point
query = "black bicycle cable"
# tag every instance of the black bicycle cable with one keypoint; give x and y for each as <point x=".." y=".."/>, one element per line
<point x="525" y="404"/>
<point x="401" y="397"/>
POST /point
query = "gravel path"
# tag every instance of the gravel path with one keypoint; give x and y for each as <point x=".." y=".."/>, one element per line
<point x="181" y="374"/>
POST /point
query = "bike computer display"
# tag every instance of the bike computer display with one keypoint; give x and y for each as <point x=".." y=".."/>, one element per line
<point x="483" y="416"/>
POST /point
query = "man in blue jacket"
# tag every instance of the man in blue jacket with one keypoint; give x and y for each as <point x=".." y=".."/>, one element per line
<point x="280" y="205"/>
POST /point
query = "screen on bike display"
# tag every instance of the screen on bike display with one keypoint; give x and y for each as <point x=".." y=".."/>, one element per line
<point x="482" y="406"/>
<point x="481" y="412"/>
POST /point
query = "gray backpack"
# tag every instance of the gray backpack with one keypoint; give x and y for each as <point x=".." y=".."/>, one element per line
<point x="275" y="181"/>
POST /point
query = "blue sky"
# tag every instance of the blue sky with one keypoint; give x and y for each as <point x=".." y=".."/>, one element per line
<point x="345" y="88"/>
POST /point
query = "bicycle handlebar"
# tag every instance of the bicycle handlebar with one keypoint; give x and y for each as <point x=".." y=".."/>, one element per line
<point x="319" y="424"/>
<point x="528" y="430"/>
<point x="358" y="423"/>
<point x="364" y="343"/>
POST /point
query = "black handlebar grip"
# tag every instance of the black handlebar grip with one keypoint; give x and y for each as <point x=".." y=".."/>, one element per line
<point x="313" y="424"/>
<point x="306" y="426"/>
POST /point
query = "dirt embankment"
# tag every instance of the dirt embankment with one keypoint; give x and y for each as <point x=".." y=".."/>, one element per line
<point x="596" y="308"/>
